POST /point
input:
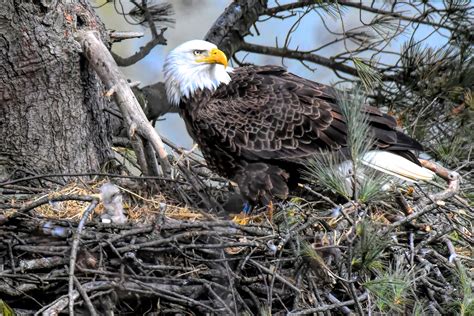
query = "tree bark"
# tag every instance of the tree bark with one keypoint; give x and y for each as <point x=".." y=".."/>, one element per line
<point x="234" y="23"/>
<point x="52" y="117"/>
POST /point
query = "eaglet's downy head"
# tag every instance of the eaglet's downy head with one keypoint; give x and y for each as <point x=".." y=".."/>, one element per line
<point x="194" y="65"/>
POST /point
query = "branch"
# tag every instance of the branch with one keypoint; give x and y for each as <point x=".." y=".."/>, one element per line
<point x="234" y="24"/>
<point x="284" y="52"/>
<point x="144" y="51"/>
<point x="116" y="36"/>
<point x="157" y="39"/>
<point x="360" y="6"/>
<point x="451" y="177"/>
<point x="47" y="199"/>
<point x="136" y="121"/>
<point x="62" y="302"/>
<point x="420" y="19"/>
<point x="325" y="308"/>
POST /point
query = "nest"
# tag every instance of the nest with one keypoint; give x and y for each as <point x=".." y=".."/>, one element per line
<point x="403" y="255"/>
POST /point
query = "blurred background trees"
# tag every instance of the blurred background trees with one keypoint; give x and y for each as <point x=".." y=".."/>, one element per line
<point x="413" y="58"/>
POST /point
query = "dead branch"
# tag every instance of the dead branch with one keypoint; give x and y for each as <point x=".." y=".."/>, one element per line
<point x="75" y="245"/>
<point x="117" y="36"/>
<point x="136" y="121"/>
<point x="143" y="52"/>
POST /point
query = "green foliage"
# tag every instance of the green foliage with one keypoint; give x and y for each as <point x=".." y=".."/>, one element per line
<point x="369" y="248"/>
<point x="290" y="214"/>
<point x="449" y="151"/>
<point x="308" y="251"/>
<point x="437" y="73"/>
<point x="368" y="74"/>
<point x="324" y="169"/>
<point x="342" y="173"/>
<point x="371" y="185"/>
<point x="329" y="8"/>
<point x="6" y="310"/>
<point x="393" y="289"/>
<point x="466" y="306"/>
<point x="419" y="309"/>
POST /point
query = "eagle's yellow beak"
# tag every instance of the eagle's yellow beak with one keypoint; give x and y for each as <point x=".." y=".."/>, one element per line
<point x="216" y="56"/>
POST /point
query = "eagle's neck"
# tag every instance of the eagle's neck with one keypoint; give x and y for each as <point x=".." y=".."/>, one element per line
<point x="184" y="80"/>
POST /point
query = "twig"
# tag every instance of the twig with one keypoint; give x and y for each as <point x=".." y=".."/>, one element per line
<point x="344" y="309"/>
<point x="75" y="245"/>
<point x="62" y="302"/>
<point x="413" y="216"/>
<point x="144" y="51"/>
<point x="117" y="36"/>
<point x="276" y="275"/>
<point x="227" y="308"/>
<point x="323" y="308"/>
<point x="47" y="199"/>
<point x="85" y="297"/>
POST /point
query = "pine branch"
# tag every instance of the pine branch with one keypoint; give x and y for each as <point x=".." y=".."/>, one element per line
<point x="299" y="55"/>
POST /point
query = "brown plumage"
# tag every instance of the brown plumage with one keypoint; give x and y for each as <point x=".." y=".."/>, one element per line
<point x="261" y="128"/>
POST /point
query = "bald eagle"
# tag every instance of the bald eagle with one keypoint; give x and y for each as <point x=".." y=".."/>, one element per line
<point x="259" y="125"/>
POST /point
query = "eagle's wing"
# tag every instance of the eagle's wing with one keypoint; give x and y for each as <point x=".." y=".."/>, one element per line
<point x="268" y="113"/>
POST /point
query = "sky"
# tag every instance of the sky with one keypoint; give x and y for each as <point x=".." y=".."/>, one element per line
<point x="195" y="17"/>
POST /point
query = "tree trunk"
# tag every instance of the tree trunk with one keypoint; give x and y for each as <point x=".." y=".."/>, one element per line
<point x="52" y="116"/>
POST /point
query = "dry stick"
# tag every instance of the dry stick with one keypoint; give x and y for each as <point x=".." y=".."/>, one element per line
<point x="86" y="298"/>
<point x="138" y="148"/>
<point x="59" y="304"/>
<point x="150" y="156"/>
<point x="227" y="308"/>
<point x="75" y="245"/>
<point x="452" y="252"/>
<point x="344" y="309"/>
<point x="106" y="67"/>
<point x="276" y="275"/>
<point x="10" y="254"/>
<point x="411" y="217"/>
<point x="117" y="36"/>
<point x="174" y="239"/>
<point x="47" y="199"/>
<point x="349" y="276"/>
<point x="324" y="308"/>
<point x="41" y="263"/>
<point x="197" y="188"/>
<point x="451" y="177"/>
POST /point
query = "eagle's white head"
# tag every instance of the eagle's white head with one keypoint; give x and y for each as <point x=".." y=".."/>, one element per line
<point x="194" y="65"/>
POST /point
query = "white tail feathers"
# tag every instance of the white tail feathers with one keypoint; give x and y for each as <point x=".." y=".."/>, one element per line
<point x="396" y="165"/>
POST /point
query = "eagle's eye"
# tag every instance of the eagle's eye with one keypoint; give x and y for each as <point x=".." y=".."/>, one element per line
<point x="198" y="52"/>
